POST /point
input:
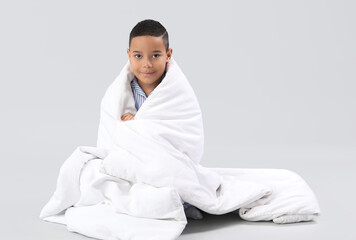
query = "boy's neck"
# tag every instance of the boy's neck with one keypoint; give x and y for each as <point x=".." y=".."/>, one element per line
<point x="148" y="88"/>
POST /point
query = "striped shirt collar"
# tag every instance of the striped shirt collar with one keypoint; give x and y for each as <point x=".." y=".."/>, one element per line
<point x="138" y="93"/>
<point x="136" y="86"/>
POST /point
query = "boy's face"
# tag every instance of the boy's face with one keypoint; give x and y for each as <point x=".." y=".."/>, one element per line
<point x="148" y="58"/>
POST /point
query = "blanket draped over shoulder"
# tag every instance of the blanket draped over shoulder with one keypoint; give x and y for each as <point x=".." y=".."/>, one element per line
<point x="133" y="183"/>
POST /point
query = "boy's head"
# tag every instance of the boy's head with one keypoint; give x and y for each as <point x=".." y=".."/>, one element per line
<point x="149" y="52"/>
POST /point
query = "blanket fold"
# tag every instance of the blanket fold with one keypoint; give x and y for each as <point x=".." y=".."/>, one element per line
<point x="133" y="183"/>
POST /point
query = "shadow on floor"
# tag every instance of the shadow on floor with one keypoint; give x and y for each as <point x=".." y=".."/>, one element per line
<point x="212" y="222"/>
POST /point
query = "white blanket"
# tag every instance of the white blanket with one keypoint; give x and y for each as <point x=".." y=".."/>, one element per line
<point x="132" y="185"/>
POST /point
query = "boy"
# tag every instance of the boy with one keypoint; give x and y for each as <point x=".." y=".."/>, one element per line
<point x="149" y="54"/>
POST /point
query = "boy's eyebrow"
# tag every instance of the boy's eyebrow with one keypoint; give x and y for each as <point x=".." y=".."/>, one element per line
<point x="152" y="51"/>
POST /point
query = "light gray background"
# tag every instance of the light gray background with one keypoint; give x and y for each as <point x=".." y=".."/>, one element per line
<point x="275" y="81"/>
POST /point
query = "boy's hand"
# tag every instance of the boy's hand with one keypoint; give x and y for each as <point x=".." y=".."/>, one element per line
<point x="127" y="116"/>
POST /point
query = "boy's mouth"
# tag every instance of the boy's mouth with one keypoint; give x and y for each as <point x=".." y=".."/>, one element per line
<point x="147" y="74"/>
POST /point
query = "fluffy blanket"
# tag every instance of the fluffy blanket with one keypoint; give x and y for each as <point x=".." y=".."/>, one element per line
<point x="133" y="183"/>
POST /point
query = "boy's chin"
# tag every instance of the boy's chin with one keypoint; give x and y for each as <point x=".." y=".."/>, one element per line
<point x="149" y="80"/>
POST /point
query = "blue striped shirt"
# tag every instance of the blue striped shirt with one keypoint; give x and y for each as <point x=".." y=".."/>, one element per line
<point x="138" y="93"/>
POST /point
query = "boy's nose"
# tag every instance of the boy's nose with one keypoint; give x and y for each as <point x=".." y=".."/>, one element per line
<point x="147" y="63"/>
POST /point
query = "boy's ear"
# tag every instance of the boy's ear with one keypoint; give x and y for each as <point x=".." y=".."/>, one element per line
<point x="128" y="53"/>
<point x="169" y="54"/>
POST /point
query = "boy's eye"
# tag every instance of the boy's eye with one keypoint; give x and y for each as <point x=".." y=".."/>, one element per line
<point x="140" y="56"/>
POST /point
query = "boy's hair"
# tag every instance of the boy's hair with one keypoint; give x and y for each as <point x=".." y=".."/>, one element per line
<point x="150" y="27"/>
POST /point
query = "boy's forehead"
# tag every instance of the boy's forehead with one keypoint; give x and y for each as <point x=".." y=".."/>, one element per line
<point x="147" y="44"/>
